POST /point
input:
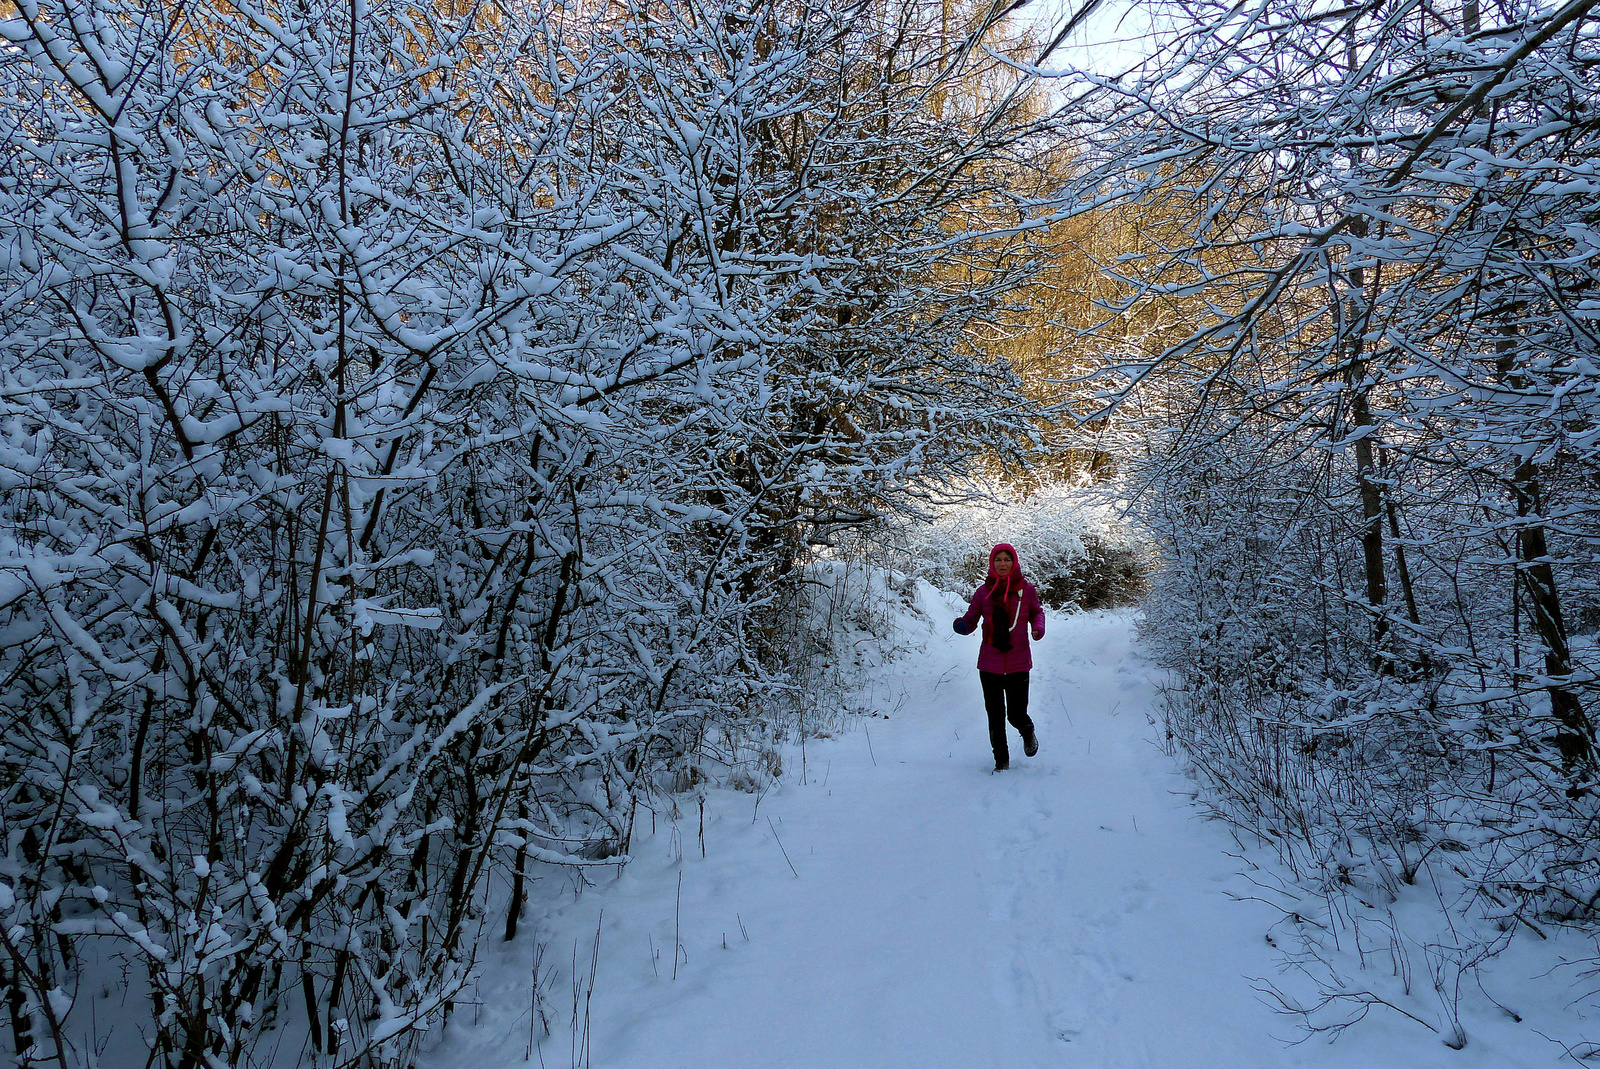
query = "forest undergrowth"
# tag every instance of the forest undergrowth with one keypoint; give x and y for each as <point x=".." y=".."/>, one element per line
<point x="1345" y="360"/>
<point x="1418" y="836"/>
<point x="415" y="424"/>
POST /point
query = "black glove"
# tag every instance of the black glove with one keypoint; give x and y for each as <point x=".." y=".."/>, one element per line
<point x="960" y="626"/>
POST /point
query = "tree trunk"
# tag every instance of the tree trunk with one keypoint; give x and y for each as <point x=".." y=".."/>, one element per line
<point x="1574" y="736"/>
<point x="1354" y="329"/>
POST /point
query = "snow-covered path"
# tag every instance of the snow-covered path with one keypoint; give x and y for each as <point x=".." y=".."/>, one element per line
<point x="1072" y="912"/>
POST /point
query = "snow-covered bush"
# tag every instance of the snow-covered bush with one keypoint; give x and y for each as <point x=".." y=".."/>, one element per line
<point x="1074" y="544"/>
<point x="409" y="417"/>
<point x="841" y="622"/>
<point x="1362" y="407"/>
<point x="1404" y="785"/>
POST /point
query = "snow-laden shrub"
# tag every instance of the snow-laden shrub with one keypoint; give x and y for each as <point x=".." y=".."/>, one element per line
<point x="1074" y="546"/>
<point x="836" y="619"/>
<point x="1398" y="762"/>
<point x="840" y="621"/>
<point x="408" y="415"/>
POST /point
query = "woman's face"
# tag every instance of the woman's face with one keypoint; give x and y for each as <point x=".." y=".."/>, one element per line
<point x="1003" y="564"/>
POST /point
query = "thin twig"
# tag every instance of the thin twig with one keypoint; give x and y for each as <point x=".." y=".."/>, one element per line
<point x="677" y="927"/>
<point x="780" y="847"/>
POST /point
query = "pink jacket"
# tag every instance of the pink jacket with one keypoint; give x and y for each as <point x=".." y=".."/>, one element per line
<point x="1027" y="616"/>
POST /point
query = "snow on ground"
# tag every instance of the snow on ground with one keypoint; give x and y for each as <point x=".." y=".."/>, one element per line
<point x="1075" y="911"/>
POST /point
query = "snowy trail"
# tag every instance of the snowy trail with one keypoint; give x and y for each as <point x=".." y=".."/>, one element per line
<point x="1071" y="912"/>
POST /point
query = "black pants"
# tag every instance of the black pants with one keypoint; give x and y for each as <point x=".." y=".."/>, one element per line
<point x="1005" y="697"/>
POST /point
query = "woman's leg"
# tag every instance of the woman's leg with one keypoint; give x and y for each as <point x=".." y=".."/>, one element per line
<point x="994" y="704"/>
<point x="1016" y="688"/>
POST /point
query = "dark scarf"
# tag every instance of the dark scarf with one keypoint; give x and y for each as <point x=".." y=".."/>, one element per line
<point x="999" y="613"/>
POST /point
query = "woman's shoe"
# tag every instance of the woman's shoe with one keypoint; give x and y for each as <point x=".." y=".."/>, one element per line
<point x="1001" y="764"/>
<point x="1030" y="745"/>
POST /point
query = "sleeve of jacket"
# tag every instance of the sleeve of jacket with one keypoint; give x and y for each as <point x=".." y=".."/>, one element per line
<point x="965" y="625"/>
<point x="1036" y="616"/>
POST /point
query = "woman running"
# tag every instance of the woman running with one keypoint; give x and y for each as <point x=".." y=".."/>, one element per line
<point x="1010" y="609"/>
